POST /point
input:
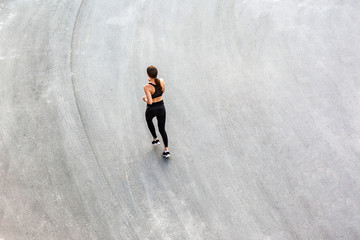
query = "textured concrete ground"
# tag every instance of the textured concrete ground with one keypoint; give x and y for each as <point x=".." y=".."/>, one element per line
<point x="263" y="119"/>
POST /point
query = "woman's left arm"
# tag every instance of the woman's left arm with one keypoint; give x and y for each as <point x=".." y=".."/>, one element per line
<point x="147" y="97"/>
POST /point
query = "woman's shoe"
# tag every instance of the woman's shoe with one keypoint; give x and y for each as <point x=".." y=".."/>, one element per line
<point x="166" y="154"/>
<point x="156" y="142"/>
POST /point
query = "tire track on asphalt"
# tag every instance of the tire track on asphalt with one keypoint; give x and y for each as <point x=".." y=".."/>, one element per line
<point x="113" y="191"/>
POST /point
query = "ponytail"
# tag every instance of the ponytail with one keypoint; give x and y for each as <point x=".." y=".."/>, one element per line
<point x="157" y="81"/>
<point x="152" y="72"/>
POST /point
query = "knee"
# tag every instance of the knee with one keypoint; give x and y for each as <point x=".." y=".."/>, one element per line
<point x="162" y="129"/>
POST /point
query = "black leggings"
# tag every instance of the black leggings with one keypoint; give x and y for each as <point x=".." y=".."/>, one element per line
<point x="157" y="110"/>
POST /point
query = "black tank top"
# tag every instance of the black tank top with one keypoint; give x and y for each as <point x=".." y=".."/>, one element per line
<point x="157" y="92"/>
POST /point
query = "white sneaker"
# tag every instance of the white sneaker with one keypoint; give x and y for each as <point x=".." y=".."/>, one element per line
<point x="166" y="154"/>
<point x="156" y="142"/>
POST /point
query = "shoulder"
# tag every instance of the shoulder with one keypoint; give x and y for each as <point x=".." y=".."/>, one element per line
<point x="147" y="86"/>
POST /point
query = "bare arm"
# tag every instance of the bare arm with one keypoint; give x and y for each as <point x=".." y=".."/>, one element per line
<point x="162" y="83"/>
<point x="147" y="98"/>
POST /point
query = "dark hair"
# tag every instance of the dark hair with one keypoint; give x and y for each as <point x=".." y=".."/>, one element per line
<point x="152" y="72"/>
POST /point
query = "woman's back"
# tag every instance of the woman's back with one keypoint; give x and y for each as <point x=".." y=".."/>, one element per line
<point x="156" y="90"/>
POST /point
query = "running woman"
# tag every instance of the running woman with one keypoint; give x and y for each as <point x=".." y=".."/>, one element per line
<point x="155" y="107"/>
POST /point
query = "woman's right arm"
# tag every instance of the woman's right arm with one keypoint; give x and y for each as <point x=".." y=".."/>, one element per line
<point x="162" y="82"/>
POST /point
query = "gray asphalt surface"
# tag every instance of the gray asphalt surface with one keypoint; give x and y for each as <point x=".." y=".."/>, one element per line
<point x="263" y="113"/>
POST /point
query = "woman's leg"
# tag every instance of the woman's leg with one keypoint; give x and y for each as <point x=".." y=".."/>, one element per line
<point x="149" y="115"/>
<point x="161" y="124"/>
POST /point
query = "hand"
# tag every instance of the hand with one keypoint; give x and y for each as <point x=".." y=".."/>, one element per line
<point x="144" y="99"/>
